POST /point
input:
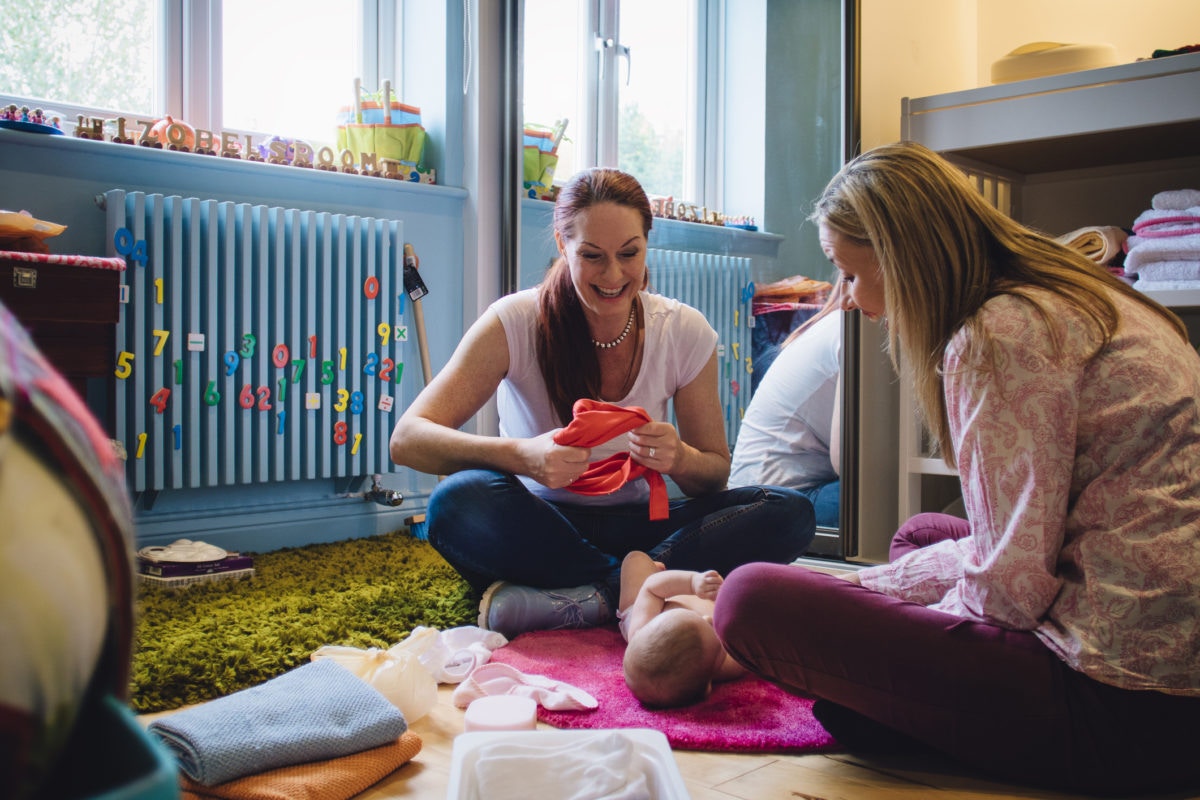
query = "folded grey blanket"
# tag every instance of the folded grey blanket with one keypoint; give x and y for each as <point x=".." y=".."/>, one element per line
<point x="317" y="711"/>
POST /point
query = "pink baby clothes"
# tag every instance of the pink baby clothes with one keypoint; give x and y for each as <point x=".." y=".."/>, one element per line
<point x="495" y="678"/>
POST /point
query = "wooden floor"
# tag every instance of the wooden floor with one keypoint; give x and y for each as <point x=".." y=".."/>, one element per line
<point x="714" y="776"/>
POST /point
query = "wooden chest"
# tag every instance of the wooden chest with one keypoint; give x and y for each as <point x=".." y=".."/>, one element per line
<point x="71" y="311"/>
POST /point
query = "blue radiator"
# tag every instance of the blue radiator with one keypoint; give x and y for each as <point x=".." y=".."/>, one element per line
<point x="720" y="287"/>
<point x="256" y="343"/>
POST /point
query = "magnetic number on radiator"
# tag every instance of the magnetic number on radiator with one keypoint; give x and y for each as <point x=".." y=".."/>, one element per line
<point x="343" y="397"/>
<point x="247" y="396"/>
<point x="340" y="433"/>
<point x="735" y="317"/>
<point x="354" y="447"/>
<point x="158" y="290"/>
<point x="372" y="365"/>
<point x="178" y="431"/>
<point x="280" y="355"/>
<point x="282" y="420"/>
<point x="356" y="403"/>
<point x="248" y="343"/>
<point x="735" y="387"/>
<point x="735" y="351"/>
<point x="298" y="370"/>
<point x="385" y="331"/>
<point x="160" y="341"/>
<point x="141" y="448"/>
<point x="342" y="364"/>
<point x="385" y="374"/>
<point x="282" y="389"/>
<point x="312" y="346"/>
<point x="749" y="365"/>
<point x="179" y="370"/>
<point x="159" y="399"/>
<point x="211" y="395"/>
<point x="326" y="372"/>
<point x="232" y="359"/>
<point x="371" y="287"/>
<point x="126" y="245"/>
<point x="124" y="364"/>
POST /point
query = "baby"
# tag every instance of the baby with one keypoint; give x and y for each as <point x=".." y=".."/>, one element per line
<point x="673" y="654"/>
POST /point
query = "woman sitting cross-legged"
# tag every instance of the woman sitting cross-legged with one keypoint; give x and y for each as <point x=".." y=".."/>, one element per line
<point x="1053" y="636"/>
<point x="540" y="554"/>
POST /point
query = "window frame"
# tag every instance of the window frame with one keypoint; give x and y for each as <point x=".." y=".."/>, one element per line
<point x="597" y="140"/>
<point x="188" y="80"/>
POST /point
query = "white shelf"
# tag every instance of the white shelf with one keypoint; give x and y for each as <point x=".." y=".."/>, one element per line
<point x="1061" y="152"/>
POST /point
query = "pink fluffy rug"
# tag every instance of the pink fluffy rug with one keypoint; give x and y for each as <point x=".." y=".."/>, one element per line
<point x="746" y="716"/>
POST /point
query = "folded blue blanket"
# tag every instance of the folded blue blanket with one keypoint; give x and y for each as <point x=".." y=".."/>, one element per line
<point x="317" y="711"/>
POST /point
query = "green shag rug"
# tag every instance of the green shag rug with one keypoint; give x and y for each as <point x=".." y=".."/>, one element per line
<point x="211" y="639"/>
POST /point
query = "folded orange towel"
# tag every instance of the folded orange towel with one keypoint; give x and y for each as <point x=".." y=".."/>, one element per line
<point x="596" y="422"/>
<point x="333" y="779"/>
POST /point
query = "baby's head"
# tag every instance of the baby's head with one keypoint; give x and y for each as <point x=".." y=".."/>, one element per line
<point x="671" y="661"/>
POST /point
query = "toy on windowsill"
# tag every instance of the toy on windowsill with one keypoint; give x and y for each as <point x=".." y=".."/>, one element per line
<point x="668" y="208"/>
<point x="541" y="159"/>
<point x="35" y="121"/>
<point x="172" y="134"/>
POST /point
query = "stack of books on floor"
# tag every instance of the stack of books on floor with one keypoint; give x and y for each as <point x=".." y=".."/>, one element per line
<point x="185" y="562"/>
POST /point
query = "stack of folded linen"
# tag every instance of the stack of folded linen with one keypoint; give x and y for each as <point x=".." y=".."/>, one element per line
<point x="318" y="727"/>
<point x="1164" y="251"/>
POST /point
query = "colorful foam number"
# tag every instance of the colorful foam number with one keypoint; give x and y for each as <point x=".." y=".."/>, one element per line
<point x="385" y="331"/>
<point x="128" y="246"/>
<point x="124" y="364"/>
<point x="340" y="433"/>
<point x="212" y="395"/>
<point x="159" y="399"/>
<point x="371" y="287"/>
<point x="354" y="447"/>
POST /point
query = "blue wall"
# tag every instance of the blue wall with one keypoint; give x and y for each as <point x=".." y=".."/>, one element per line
<point x="57" y="178"/>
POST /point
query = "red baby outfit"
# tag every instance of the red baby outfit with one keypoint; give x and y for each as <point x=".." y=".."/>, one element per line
<point x="595" y="422"/>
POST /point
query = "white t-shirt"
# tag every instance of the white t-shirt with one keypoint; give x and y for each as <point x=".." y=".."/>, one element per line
<point x="784" y="435"/>
<point x="678" y="344"/>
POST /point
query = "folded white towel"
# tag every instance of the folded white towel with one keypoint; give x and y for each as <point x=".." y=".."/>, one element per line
<point x="1166" y="286"/>
<point x="1170" y="271"/>
<point x="603" y="767"/>
<point x="1172" y="248"/>
<point x="1165" y="222"/>
<point x="496" y="678"/>
<point x="1176" y="199"/>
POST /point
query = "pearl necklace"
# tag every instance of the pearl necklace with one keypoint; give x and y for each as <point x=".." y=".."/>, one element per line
<point x="624" y="333"/>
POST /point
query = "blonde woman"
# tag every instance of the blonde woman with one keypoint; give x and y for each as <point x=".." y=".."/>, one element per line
<point x="1053" y="636"/>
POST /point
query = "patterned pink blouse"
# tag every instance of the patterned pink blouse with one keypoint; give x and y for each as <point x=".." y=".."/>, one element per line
<point x="1081" y="478"/>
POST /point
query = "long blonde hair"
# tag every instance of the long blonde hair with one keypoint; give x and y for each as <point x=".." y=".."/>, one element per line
<point x="944" y="251"/>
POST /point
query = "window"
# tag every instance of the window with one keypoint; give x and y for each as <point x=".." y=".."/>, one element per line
<point x="253" y="66"/>
<point x="630" y="77"/>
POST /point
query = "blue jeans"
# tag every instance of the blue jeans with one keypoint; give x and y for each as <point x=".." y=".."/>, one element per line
<point x="489" y="527"/>
<point x="827" y="503"/>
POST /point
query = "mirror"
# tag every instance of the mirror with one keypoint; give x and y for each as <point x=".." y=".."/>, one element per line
<point x="790" y="111"/>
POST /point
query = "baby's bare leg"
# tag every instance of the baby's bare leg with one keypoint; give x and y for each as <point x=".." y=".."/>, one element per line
<point x="635" y="568"/>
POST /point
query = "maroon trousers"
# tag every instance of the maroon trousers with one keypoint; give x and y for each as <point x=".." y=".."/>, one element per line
<point x="994" y="699"/>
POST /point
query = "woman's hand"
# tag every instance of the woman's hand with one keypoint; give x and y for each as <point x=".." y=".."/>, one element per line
<point x="655" y="445"/>
<point x="553" y="465"/>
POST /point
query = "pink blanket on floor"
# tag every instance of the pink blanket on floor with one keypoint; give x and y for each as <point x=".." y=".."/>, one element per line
<point x="749" y="715"/>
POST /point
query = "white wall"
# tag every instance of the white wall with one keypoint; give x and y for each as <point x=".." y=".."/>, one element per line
<point x="914" y="48"/>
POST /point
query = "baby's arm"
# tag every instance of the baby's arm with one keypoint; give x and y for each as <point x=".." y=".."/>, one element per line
<point x="658" y="588"/>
